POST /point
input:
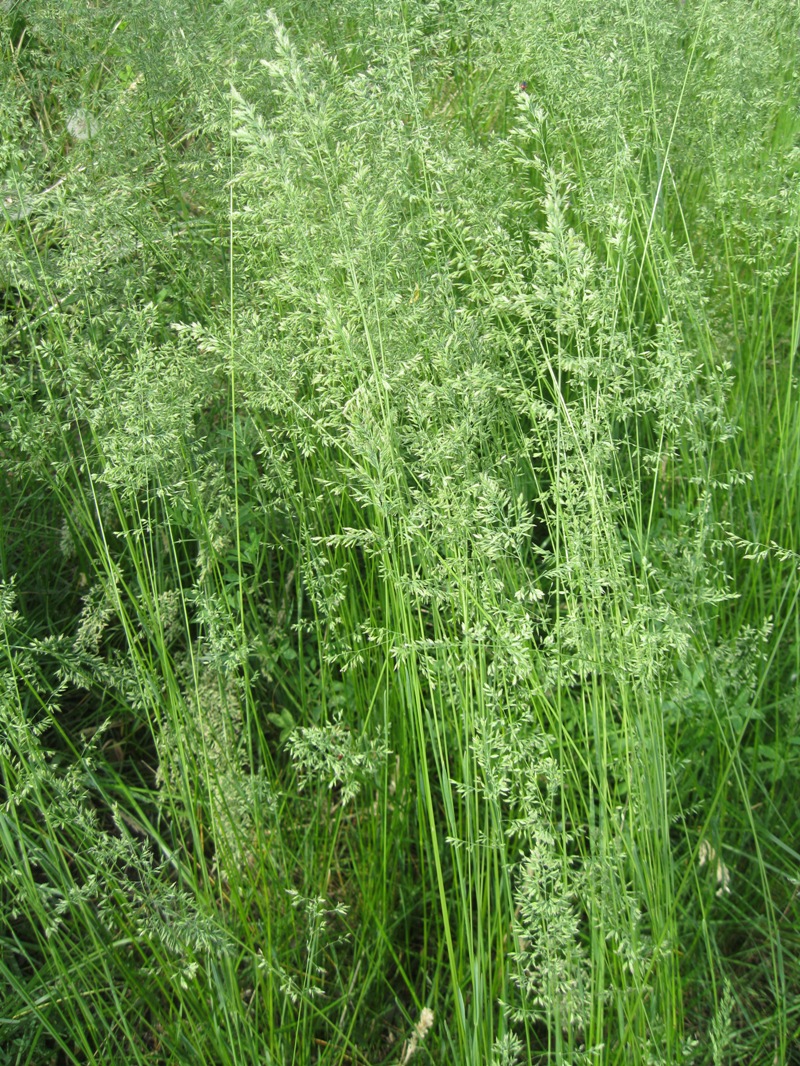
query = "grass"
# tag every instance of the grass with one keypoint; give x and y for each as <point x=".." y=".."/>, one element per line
<point x="398" y="536"/>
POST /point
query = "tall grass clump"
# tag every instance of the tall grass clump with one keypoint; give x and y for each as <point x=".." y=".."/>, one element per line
<point x="398" y="543"/>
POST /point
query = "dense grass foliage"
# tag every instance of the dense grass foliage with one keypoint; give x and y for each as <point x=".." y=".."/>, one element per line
<point x="399" y="532"/>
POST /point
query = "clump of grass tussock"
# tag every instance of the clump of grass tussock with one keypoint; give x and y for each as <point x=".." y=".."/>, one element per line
<point x="403" y="408"/>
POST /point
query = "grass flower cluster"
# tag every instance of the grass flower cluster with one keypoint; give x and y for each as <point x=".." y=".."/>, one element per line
<point x="399" y="512"/>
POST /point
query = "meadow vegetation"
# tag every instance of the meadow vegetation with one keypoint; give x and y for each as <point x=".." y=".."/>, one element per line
<point x="399" y="532"/>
